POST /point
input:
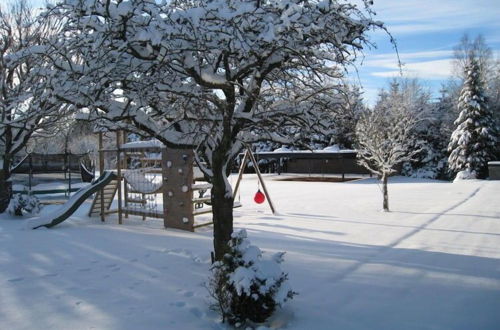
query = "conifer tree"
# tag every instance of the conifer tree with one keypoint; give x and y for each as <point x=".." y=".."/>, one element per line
<point x="473" y="141"/>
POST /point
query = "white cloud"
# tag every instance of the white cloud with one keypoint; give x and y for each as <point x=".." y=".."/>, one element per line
<point x="424" y="65"/>
<point x="417" y="16"/>
<point x="436" y="69"/>
<point x="390" y="60"/>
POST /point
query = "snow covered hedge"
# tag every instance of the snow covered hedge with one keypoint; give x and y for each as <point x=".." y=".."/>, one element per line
<point x="245" y="286"/>
<point x="24" y="204"/>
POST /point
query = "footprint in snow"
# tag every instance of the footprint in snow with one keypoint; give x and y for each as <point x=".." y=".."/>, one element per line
<point x="188" y="294"/>
<point x="185" y="253"/>
<point x="179" y="304"/>
<point x="49" y="275"/>
<point x="197" y="312"/>
<point x="17" y="279"/>
<point x="135" y="284"/>
<point x="84" y="270"/>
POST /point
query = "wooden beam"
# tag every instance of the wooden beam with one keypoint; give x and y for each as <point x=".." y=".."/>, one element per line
<point x="101" y="170"/>
<point x="240" y="173"/>
<point x="119" y="175"/>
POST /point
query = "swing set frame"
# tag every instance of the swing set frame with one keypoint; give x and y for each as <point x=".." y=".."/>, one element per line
<point x="249" y="156"/>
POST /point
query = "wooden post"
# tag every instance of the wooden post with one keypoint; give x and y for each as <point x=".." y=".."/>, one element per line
<point x="119" y="175"/>
<point x="240" y="172"/>
<point x="256" y="166"/>
<point x="125" y="188"/>
<point x="101" y="170"/>
<point x="69" y="176"/>
<point x="30" y="175"/>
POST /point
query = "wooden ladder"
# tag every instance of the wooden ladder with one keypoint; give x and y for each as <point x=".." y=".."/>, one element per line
<point x="109" y="192"/>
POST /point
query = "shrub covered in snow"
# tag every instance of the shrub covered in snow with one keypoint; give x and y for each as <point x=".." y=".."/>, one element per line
<point x="24" y="204"/>
<point x="246" y="286"/>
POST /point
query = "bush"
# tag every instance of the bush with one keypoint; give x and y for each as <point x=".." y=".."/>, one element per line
<point x="24" y="204"/>
<point x="245" y="286"/>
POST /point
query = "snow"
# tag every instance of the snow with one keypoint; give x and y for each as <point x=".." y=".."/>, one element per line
<point x="465" y="175"/>
<point x="336" y="148"/>
<point x="49" y="186"/>
<point x="431" y="263"/>
<point x="330" y="149"/>
<point x="142" y="144"/>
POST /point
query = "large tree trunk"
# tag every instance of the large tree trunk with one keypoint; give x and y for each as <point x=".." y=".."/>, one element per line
<point x="222" y="210"/>
<point x="385" y="192"/>
<point x="5" y="184"/>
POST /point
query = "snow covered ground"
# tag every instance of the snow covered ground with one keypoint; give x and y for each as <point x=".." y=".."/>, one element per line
<point x="431" y="263"/>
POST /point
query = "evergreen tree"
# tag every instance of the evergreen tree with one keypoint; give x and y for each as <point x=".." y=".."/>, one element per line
<point x="473" y="141"/>
<point x="345" y="115"/>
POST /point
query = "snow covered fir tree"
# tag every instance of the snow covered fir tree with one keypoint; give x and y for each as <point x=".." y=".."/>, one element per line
<point x="473" y="141"/>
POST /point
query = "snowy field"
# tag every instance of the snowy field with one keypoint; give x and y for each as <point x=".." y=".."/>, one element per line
<point x="431" y="263"/>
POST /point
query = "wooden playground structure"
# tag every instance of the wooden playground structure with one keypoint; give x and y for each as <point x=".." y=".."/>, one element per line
<point x="153" y="181"/>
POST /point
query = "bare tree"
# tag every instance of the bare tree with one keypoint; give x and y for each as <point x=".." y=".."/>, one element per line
<point x="384" y="141"/>
<point x="26" y="105"/>
<point x="474" y="50"/>
<point x="211" y="75"/>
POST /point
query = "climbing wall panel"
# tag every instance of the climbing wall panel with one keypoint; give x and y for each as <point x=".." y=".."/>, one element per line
<point x="178" y="191"/>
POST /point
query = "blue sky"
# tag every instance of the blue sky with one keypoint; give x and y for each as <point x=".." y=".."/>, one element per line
<point x="426" y="32"/>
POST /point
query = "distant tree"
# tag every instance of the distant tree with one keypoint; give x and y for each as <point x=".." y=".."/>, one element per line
<point x="493" y="94"/>
<point x="488" y="71"/>
<point x="339" y="109"/>
<point x="440" y="126"/>
<point x="427" y="133"/>
<point x="384" y="141"/>
<point x="345" y="115"/>
<point x="474" y="50"/>
<point x="473" y="141"/>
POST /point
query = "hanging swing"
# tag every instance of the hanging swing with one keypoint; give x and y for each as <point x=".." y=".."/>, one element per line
<point x="259" y="197"/>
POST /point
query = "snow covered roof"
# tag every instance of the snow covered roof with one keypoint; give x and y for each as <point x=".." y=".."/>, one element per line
<point x="148" y="144"/>
<point x="329" y="149"/>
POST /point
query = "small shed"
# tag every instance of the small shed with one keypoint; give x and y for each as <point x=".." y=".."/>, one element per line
<point x="494" y="170"/>
<point x="313" y="162"/>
